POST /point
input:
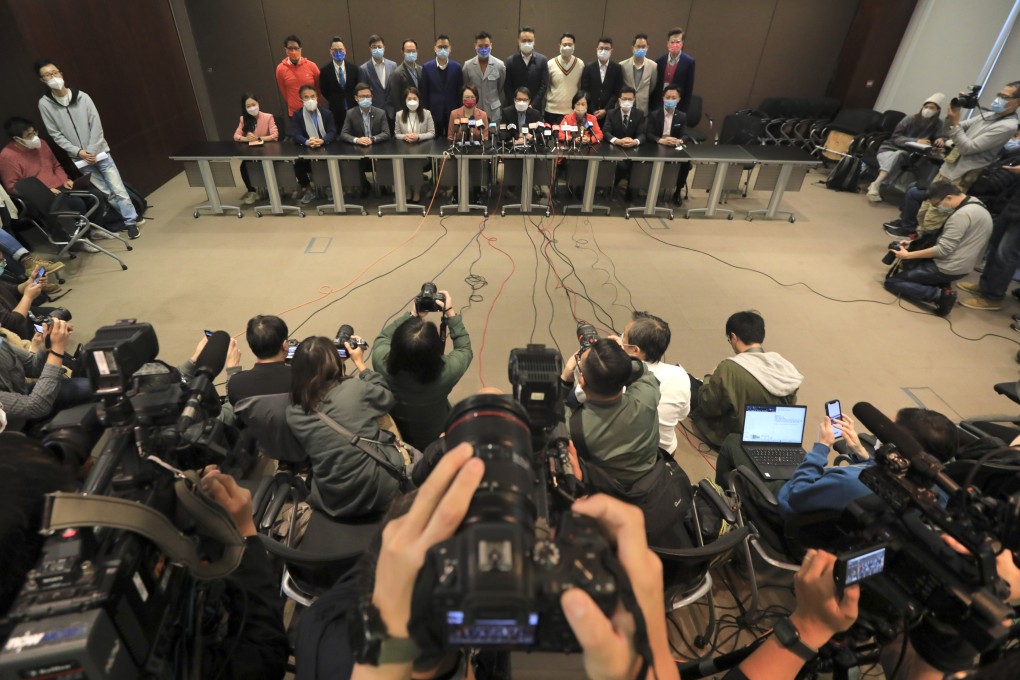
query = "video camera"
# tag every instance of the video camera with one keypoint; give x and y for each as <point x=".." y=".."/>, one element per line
<point x="106" y="602"/>
<point x="345" y="335"/>
<point x="496" y="584"/>
<point x="426" y="300"/>
<point x="967" y="100"/>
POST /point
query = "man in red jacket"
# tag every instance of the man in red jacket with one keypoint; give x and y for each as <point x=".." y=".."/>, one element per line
<point x="293" y="72"/>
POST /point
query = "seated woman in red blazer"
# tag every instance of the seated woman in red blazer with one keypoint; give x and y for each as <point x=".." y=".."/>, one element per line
<point x="580" y="117"/>
<point x="480" y="131"/>
<point x="255" y="126"/>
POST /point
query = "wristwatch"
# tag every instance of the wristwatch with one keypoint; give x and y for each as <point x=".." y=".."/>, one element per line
<point x="371" y="642"/>
<point x="789" y="637"/>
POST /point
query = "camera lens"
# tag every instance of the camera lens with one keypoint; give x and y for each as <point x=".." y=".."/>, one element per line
<point x="497" y="428"/>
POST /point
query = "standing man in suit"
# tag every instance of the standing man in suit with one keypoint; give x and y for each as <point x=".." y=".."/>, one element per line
<point x="640" y="72"/>
<point x="674" y="68"/>
<point x="625" y="127"/>
<point x="442" y="80"/>
<point x="487" y="74"/>
<point x="365" y="127"/>
<point x="527" y="68"/>
<point x="377" y="71"/>
<point x="408" y="74"/>
<point x="337" y="79"/>
<point x="602" y="80"/>
<point x="667" y="125"/>
<point x="294" y="72"/>
<point x="520" y="114"/>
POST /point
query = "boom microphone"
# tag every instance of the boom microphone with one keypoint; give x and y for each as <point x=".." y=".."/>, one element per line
<point x="208" y="365"/>
<point x="887" y="431"/>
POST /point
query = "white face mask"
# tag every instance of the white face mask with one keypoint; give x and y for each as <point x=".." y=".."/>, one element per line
<point x="252" y="110"/>
<point x="311" y="105"/>
<point x="603" y="55"/>
<point x="412" y="104"/>
<point x="928" y="113"/>
<point x="56" y="83"/>
<point x="33" y="143"/>
<point x="521" y="106"/>
<point x="567" y="50"/>
<point x="626" y="106"/>
<point x="527" y="47"/>
<point x="580" y="111"/>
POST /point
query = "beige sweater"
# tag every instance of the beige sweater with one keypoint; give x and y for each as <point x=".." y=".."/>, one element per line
<point x="562" y="86"/>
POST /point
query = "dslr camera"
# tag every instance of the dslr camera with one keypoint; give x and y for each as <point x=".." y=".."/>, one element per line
<point x="889" y="256"/>
<point x="586" y="334"/>
<point x="426" y="300"/>
<point x="345" y="335"/>
<point x="967" y="100"/>
<point x="58" y="313"/>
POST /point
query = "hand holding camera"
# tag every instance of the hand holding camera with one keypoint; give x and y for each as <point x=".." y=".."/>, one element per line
<point x="431" y="299"/>
<point x="820" y="614"/>
<point x="59" y="333"/>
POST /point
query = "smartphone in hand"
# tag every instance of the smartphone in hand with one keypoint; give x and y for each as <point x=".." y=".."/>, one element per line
<point x="834" y="411"/>
<point x="38" y="277"/>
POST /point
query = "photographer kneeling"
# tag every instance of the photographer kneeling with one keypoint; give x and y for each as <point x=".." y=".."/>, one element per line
<point x="929" y="265"/>
<point x="346" y="481"/>
<point x="409" y="354"/>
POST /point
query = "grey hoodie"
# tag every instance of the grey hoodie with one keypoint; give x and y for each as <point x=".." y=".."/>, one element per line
<point x="73" y="127"/>
<point x="776" y="374"/>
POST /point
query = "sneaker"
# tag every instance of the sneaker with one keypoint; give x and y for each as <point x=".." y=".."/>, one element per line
<point x="133" y="233"/>
<point x="140" y="221"/>
<point x="982" y="303"/>
<point x="96" y="235"/>
<point x="892" y="224"/>
<point x="249" y="198"/>
<point x="307" y="197"/>
<point x="969" y="286"/>
<point x="30" y="262"/>
<point x="901" y="232"/>
<point x="944" y="305"/>
<point x="873" y="193"/>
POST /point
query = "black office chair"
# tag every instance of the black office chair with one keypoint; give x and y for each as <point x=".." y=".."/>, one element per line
<point x="744" y="130"/>
<point x="1004" y="428"/>
<point x="695" y="113"/>
<point x="39" y="201"/>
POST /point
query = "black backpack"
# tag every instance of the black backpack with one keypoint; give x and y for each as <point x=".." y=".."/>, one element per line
<point x="137" y="200"/>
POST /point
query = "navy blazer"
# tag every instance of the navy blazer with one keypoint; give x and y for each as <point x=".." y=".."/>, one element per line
<point x="532" y="115"/>
<point x="534" y="76"/>
<point x="655" y="121"/>
<point x="339" y="100"/>
<point x="683" y="77"/>
<point x="441" y="94"/>
<point x="602" y="94"/>
<point x="637" y="123"/>
<point x="301" y="136"/>
<point x="380" y="91"/>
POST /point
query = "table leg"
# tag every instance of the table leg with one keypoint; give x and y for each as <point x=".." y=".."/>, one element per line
<point x="654" y="183"/>
<point x="339" y="207"/>
<point x="399" y="190"/>
<point x="527" y="182"/>
<point x="777" y="194"/>
<point x="210" y="187"/>
<point x="273" y="189"/>
<point x="590" y="178"/>
<point x="713" y="195"/>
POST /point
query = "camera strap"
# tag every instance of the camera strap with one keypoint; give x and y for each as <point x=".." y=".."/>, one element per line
<point x="401" y="473"/>
<point x="72" y="511"/>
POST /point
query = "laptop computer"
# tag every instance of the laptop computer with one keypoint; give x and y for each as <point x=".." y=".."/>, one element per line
<point x="772" y="439"/>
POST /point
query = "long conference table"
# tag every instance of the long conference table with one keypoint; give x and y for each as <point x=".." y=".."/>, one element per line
<point x="782" y="169"/>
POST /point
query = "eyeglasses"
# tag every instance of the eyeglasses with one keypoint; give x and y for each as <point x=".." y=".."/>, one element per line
<point x="1003" y="95"/>
<point x="51" y="74"/>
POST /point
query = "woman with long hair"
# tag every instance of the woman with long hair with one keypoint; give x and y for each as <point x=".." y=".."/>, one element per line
<point x="254" y="127"/>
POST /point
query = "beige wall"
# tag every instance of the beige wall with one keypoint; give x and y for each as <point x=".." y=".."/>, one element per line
<point x="745" y="49"/>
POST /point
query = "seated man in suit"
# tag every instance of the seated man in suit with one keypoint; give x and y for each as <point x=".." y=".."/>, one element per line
<point x="667" y="125"/>
<point x="602" y="80"/>
<point x="337" y="80"/>
<point x="311" y="127"/>
<point x="625" y="127"/>
<point x="520" y="115"/>
<point x="366" y="127"/>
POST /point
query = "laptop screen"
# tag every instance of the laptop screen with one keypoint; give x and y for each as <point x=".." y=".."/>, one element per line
<point x="774" y="424"/>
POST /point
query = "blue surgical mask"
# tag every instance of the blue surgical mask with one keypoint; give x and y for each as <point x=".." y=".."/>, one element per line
<point x="641" y="53"/>
<point x="365" y="103"/>
<point x="1012" y="145"/>
<point x="483" y="51"/>
<point x="670" y="104"/>
<point x="998" y="105"/>
<point x="378" y="52"/>
<point x="443" y="53"/>
<point x="338" y="55"/>
<point x="410" y="57"/>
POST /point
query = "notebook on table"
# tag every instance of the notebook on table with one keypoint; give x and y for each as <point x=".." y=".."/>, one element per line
<point x="772" y="439"/>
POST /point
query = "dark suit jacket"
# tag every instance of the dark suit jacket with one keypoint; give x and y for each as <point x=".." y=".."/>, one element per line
<point x="655" y="120"/>
<point x="301" y="136"/>
<point x="440" y="93"/>
<point x="354" y="126"/>
<point x="380" y="90"/>
<point x="534" y="76"/>
<point x="399" y="82"/>
<point x="339" y="100"/>
<point x="636" y="124"/>
<point x="602" y="95"/>
<point x="683" y="76"/>
<point x="532" y="115"/>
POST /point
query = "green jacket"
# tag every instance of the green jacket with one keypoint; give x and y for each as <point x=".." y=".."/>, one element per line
<point x="623" y="437"/>
<point x="346" y="481"/>
<point x="422" y="408"/>
<point x="724" y="394"/>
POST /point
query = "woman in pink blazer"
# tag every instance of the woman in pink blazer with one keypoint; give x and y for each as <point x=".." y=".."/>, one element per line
<point x="254" y="126"/>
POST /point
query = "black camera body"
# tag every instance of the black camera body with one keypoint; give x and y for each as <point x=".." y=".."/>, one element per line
<point x="889" y="256"/>
<point x="344" y="336"/>
<point x="426" y="300"/>
<point x="967" y="100"/>
<point x="59" y="313"/>
<point x="586" y="334"/>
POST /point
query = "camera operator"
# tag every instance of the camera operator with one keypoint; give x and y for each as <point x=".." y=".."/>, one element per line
<point x="346" y="481"/>
<point x="409" y="354"/>
<point x="975" y="142"/>
<point x="438" y="509"/>
<point x="267" y="338"/>
<point x="956" y="250"/>
<point x="51" y="391"/>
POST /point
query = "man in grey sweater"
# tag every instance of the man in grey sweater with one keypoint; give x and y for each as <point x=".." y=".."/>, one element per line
<point x="963" y="238"/>
<point x="72" y="120"/>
